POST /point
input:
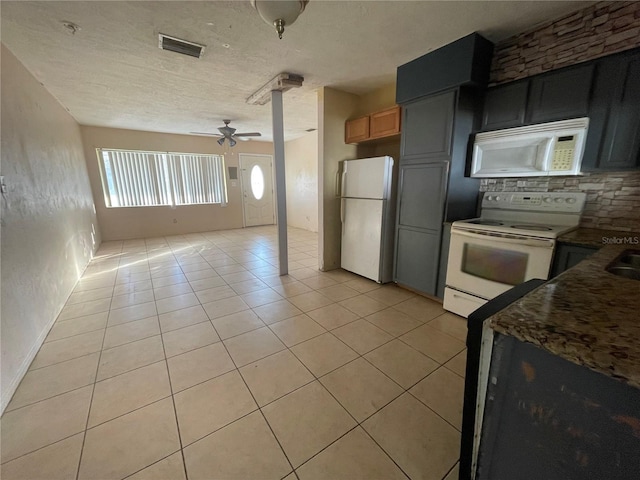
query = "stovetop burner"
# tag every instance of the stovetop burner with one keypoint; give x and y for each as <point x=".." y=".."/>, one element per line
<point x="537" y="228"/>
<point x="487" y="222"/>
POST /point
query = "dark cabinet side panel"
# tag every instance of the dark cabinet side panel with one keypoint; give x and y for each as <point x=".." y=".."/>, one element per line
<point x="427" y="126"/>
<point x="505" y="106"/>
<point x="561" y="95"/>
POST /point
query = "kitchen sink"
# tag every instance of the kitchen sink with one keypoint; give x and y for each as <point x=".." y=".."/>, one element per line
<point x="627" y="265"/>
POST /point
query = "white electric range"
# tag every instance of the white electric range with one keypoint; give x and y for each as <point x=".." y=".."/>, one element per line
<point x="512" y="242"/>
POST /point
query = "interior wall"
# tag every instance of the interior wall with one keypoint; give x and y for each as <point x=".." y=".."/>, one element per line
<point x="301" y="169"/>
<point x="49" y="229"/>
<point x="145" y="222"/>
<point x="334" y="108"/>
<point x="376" y="100"/>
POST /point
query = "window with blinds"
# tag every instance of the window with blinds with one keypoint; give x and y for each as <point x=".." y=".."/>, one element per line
<point x="145" y="179"/>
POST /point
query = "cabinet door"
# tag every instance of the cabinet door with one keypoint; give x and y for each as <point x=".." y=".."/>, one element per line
<point x="421" y="199"/>
<point x="505" y="106"/>
<point x="417" y="260"/>
<point x="567" y="256"/>
<point x="385" y="123"/>
<point x="427" y="127"/>
<point x="621" y="144"/>
<point x="422" y="194"/>
<point x="356" y="130"/>
<point x="561" y="95"/>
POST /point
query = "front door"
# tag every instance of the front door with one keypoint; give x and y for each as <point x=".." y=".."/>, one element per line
<point x="257" y="189"/>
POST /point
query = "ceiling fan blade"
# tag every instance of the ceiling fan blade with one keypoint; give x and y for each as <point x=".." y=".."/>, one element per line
<point x="207" y="134"/>
<point x="249" y="134"/>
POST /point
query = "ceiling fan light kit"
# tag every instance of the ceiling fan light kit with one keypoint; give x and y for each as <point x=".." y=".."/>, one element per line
<point x="279" y="13"/>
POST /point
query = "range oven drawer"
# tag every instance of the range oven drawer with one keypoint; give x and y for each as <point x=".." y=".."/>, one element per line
<point x="461" y="303"/>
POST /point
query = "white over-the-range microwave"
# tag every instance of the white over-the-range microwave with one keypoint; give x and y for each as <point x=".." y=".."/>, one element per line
<point x="553" y="148"/>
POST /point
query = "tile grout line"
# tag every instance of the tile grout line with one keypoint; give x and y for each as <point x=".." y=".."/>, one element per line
<point x="86" y="426"/>
<point x="256" y="403"/>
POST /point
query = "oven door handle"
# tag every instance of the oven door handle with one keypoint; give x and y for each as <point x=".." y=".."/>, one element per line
<point x="506" y="238"/>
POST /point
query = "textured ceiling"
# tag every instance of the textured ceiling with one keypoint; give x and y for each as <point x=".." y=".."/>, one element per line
<point x="111" y="73"/>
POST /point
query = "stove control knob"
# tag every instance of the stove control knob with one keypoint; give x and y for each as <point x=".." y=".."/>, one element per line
<point x="489" y="198"/>
<point x="498" y="198"/>
<point x="571" y="200"/>
<point x="548" y="200"/>
<point x="559" y="200"/>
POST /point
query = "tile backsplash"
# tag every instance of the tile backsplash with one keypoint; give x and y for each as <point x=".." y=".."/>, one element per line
<point x="613" y="199"/>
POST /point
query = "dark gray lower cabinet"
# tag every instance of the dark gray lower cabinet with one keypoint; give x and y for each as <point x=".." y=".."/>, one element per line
<point x="567" y="256"/>
<point x="417" y="259"/>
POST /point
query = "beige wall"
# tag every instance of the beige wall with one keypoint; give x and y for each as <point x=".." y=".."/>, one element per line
<point x="139" y="222"/>
<point x="47" y="216"/>
<point x="301" y="167"/>
<point x="379" y="99"/>
<point x="334" y="107"/>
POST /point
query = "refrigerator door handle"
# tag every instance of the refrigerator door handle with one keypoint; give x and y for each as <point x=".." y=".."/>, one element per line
<point x="337" y="185"/>
<point x="342" y="210"/>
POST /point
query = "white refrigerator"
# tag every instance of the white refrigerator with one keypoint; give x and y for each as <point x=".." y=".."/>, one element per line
<point x="367" y="213"/>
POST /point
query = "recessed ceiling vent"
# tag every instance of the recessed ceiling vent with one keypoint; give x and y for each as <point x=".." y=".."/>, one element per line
<point x="173" y="44"/>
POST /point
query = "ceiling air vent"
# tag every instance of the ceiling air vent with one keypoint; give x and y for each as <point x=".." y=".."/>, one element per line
<point x="178" y="45"/>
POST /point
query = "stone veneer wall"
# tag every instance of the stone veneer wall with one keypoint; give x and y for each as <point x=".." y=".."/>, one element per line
<point x="601" y="29"/>
<point x="613" y="199"/>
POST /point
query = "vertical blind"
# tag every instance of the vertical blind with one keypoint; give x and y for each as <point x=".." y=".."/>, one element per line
<point x="136" y="179"/>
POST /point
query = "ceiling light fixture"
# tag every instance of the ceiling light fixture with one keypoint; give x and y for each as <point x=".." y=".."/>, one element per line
<point x="281" y="83"/>
<point x="279" y="13"/>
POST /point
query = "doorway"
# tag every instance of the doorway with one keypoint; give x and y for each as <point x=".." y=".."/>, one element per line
<point x="256" y="175"/>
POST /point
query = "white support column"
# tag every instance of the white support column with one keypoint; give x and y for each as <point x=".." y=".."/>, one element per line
<point x="281" y="192"/>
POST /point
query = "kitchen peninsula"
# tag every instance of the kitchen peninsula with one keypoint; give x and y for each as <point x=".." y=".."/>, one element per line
<point x="563" y="393"/>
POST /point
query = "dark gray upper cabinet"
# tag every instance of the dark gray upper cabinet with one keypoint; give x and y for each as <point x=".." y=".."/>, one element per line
<point x="606" y="90"/>
<point x="427" y="127"/>
<point x="505" y="106"/>
<point x="561" y="95"/>
<point x="621" y="143"/>
<point x="464" y="62"/>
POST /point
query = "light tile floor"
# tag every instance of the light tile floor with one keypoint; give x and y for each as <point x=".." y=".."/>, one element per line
<point x="189" y="357"/>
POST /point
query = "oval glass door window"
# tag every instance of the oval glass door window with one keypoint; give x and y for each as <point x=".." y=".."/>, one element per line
<point x="257" y="182"/>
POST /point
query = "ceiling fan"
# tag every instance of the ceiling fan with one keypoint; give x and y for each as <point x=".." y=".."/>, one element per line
<point x="229" y="133"/>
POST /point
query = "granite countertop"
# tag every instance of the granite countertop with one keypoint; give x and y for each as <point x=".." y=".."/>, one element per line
<point x="592" y="237"/>
<point x="585" y="315"/>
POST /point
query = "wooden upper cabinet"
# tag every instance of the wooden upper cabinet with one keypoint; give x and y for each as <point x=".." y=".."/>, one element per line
<point x="384" y="123"/>
<point x="356" y="130"/>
